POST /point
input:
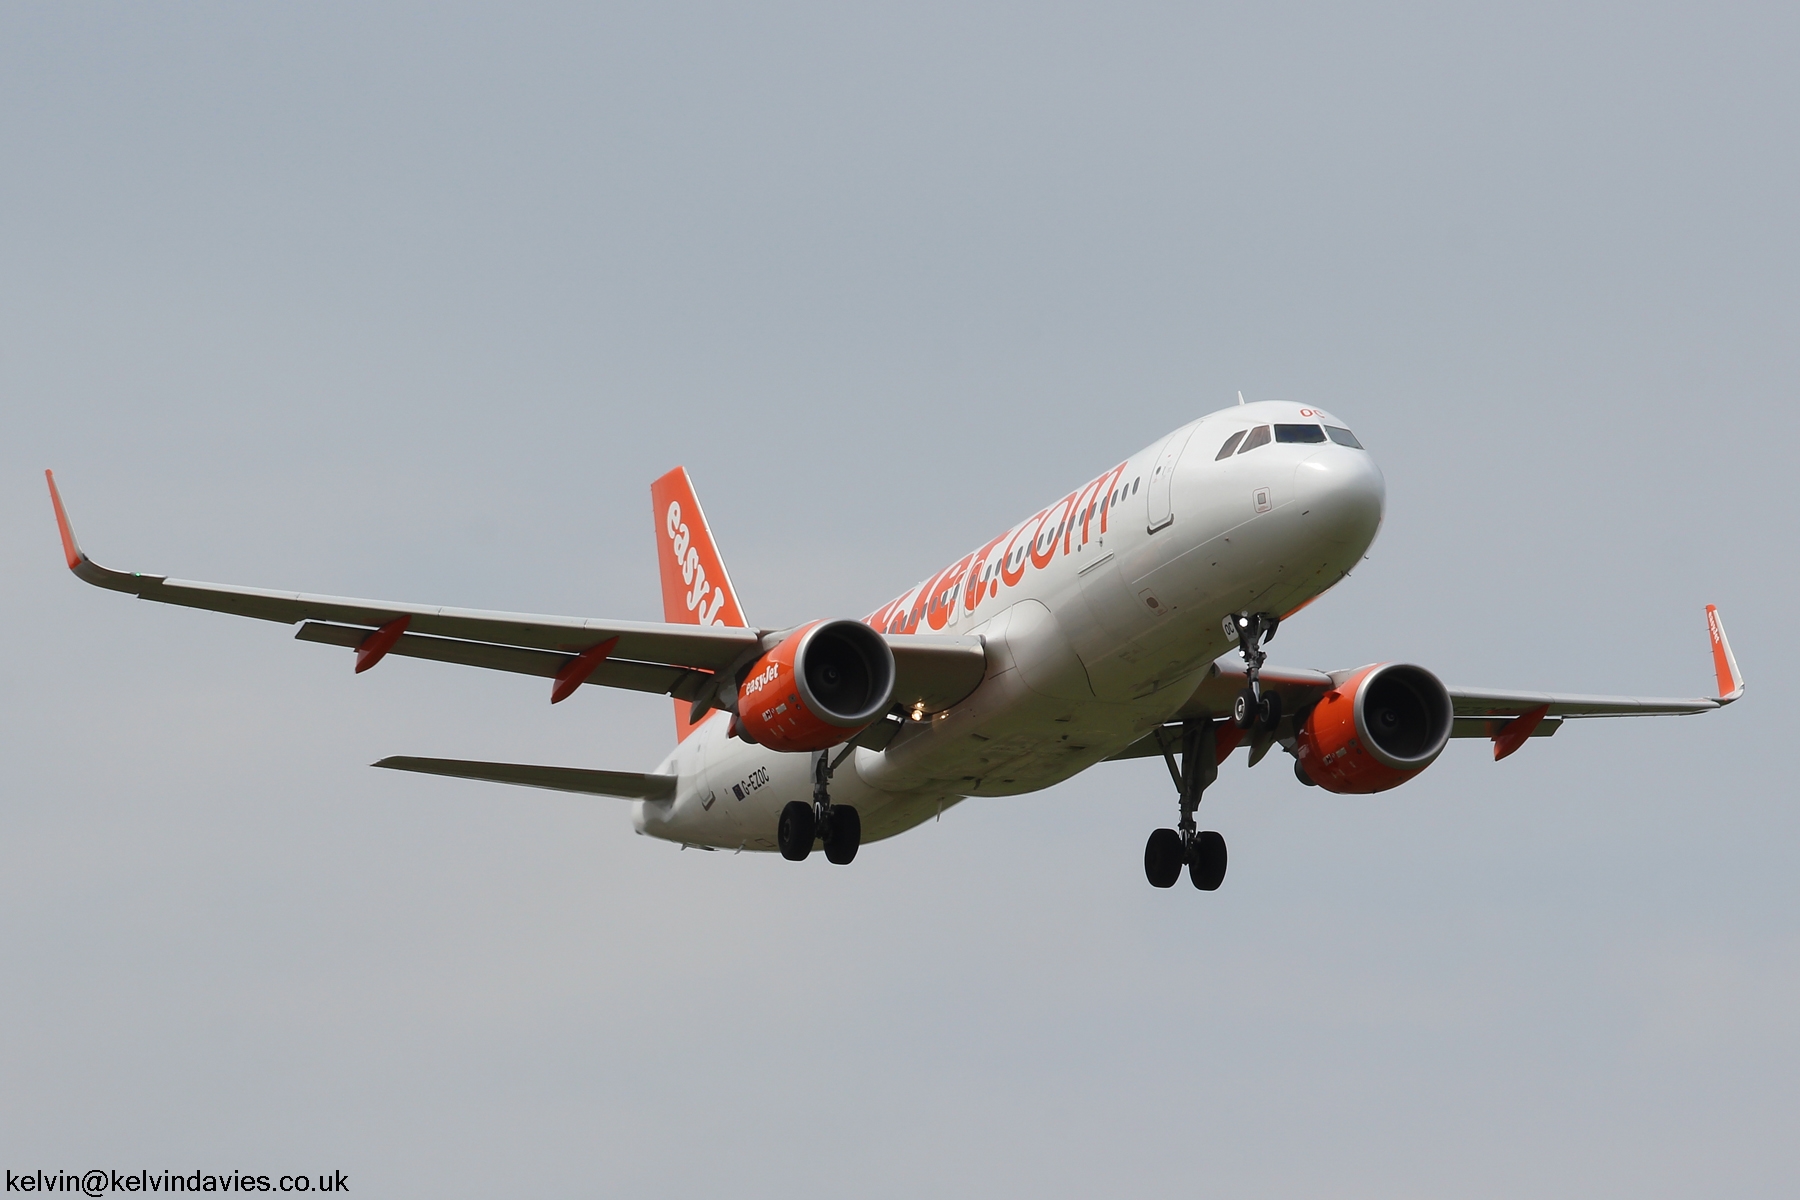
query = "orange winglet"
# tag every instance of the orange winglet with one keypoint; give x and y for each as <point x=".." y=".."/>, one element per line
<point x="1512" y="735"/>
<point x="71" y="551"/>
<point x="1725" y="668"/>
<point x="574" y="673"/>
<point x="374" y="648"/>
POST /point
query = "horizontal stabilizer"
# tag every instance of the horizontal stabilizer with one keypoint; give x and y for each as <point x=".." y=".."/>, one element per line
<point x="630" y="785"/>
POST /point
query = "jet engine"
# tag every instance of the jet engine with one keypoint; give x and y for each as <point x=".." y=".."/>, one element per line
<point x="1376" y="730"/>
<point x="824" y="684"/>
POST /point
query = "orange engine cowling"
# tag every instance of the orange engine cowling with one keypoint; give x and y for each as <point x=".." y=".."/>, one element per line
<point x="1376" y="730"/>
<point x="824" y="684"/>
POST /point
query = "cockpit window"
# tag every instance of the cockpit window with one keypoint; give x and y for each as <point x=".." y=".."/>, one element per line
<point x="1343" y="437"/>
<point x="1230" y="445"/>
<point x="1258" y="437"/>
<point x="1299" y="433"/>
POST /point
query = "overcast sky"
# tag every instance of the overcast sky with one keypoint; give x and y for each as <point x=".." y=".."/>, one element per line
<point x="415" y="303"/>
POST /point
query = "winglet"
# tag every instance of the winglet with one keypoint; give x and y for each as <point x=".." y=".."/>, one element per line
<point x="1731" y="680"/>
<point x="85" y="568"/>
<point x="71" y="548"/>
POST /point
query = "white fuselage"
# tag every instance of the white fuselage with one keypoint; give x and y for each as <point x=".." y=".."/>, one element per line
<point x="1099" y="616"/>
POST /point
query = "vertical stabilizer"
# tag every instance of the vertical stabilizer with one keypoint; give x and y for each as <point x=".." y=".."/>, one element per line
<point x="695" y="586"/>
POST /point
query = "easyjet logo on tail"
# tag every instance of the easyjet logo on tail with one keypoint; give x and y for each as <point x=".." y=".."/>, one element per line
<point x="696" y="589"/>
<point x="693" y="572"/>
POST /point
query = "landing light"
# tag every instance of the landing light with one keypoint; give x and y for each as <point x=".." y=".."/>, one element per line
<point x="918" y="712"/>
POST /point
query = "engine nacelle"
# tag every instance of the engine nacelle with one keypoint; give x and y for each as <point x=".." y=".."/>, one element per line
<point x="824" y="684"/>
<point x="1376" y="730"/>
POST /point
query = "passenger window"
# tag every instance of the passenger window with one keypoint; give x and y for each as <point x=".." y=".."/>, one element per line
<point x="1343" y="437"/>
<point x="1230" y="445"/>
<point x="1258" y="437"/>
<point x="1299" y="433"/>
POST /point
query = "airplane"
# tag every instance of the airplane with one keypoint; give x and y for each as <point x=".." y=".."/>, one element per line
<point x="1126" y="619"/>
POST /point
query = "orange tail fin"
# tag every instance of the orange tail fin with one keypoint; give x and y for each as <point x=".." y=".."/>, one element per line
<point x="695" y="586"/>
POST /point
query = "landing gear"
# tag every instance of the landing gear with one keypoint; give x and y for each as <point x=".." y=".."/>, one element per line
<point x="1168" y="850"/>
<point x="1163" y="858"/>
<point x="837" y="825"/>
<point x="1204" y="857"/>
<point x="1250" y="712"/>
<point x="843" y="834"/>
<point x="1206" y="861"/>
<point x="1253" y="631"/>
<point x="795" y="832"/>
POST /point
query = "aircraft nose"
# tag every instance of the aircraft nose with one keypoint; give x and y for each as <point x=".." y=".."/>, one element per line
<point x="1342" y="489"/>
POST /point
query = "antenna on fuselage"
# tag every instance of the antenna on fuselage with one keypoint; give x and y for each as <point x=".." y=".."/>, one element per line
<point x="1240" y="399"/>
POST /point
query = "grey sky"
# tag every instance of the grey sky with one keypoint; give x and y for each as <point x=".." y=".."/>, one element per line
<point x="415" y="302"/>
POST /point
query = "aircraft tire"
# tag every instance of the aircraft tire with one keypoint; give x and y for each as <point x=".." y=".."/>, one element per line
<point x="844" y="835"/>
<point x="1206" y="865"/>
<point x="1162" y="858"/>
<point x="1268" y="713"/>
<point x="795" y="831"/>
<point x="1243" y="709"/>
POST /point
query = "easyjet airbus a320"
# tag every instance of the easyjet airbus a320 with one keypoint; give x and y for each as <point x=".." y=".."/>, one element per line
<point x="1127" y="619"/>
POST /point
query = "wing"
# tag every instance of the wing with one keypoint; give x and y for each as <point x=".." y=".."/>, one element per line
<point x="684" y="661"/>
<point x="1506" y="717"/>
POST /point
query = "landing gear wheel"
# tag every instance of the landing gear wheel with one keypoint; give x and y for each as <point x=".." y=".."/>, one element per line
<point x="843" y="834"/>
<point x="1206" y="861"/>
<point x="1244" y="709"/>
<point x="794" y="832"/>
<point x="1268" y="713"/>
<point x="1162" y="858"/>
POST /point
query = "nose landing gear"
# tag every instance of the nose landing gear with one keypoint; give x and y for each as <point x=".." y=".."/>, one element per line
<point x="837" y="825"/>
<point x="1253" y="631"/>
<point x="1201" y="852"/>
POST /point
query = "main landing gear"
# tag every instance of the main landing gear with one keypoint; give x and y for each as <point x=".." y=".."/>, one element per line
<point x="1201" y="852"/>
<point x="837" y="825"/>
